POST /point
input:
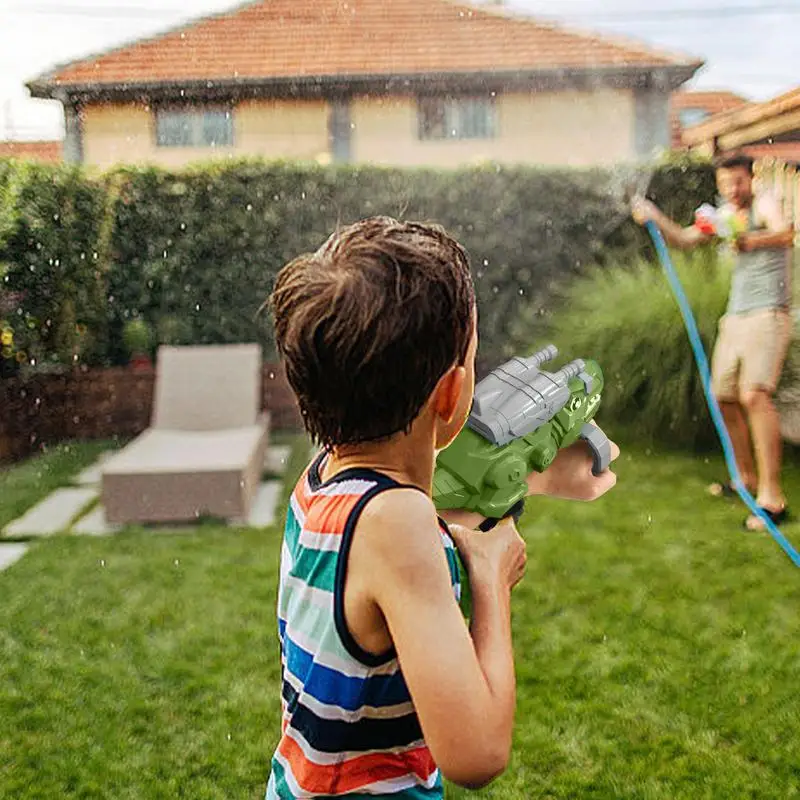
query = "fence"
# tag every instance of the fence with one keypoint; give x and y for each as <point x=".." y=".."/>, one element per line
<point x="44" y="410"/>
<point x="783" y="179"/>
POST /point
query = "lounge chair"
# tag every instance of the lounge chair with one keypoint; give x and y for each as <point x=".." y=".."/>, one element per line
<point x="203" y="454"/>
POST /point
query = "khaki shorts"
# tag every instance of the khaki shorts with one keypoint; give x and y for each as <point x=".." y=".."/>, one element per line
<point x="749" y="352"/>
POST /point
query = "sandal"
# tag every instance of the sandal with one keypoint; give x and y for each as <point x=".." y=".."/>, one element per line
<point x="776" y="517"/>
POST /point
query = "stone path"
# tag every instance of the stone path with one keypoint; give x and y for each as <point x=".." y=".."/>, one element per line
<point x="11" y="552"/>
<point x="54" y="514"/>
<point x="75" y="510"/>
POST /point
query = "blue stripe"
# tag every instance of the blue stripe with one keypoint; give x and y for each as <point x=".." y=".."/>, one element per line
<point x="331" y="687"/>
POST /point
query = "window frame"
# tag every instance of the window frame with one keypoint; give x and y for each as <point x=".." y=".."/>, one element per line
<point x="457" y="117"/>
<point x="198" y="114"/>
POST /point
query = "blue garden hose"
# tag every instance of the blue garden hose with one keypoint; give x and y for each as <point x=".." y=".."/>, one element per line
<point x="705" y="374"/>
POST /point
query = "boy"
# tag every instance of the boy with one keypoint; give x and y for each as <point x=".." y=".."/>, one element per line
<point x="384" y="687"/>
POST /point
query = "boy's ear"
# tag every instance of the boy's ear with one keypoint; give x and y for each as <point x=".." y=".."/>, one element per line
<point x="448" y="393"/>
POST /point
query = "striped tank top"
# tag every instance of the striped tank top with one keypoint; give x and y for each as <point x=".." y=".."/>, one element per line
<point x="348" y="724"/>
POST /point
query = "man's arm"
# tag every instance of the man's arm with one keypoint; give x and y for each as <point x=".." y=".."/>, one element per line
<point x="683" y="238"/>
<point x="779" y="233"/>
<point x="463" y="687"/>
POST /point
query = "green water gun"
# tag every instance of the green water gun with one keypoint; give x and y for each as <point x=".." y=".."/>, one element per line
<point x="521" y="417"/>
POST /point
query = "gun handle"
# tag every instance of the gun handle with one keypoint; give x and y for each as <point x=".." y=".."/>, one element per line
<point x="599" y="445"/>
<point x="515" y="512"/>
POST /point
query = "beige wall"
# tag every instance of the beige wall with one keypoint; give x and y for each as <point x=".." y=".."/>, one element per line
<point x="269" y="128"/>
<point x="564" y="128"/>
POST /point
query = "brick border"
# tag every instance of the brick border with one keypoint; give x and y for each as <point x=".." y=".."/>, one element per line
<point x="86" y="404"/>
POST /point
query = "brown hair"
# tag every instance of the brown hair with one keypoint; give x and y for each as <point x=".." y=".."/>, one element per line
<point x="734" y="160"/>
<point x="368" y="325"/>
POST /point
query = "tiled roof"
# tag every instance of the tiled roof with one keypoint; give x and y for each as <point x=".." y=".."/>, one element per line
<point x="729" y="121"/>
<point x="713" y="102"/>
<point x="35" y="151"/>
<point x="309" y="38"/>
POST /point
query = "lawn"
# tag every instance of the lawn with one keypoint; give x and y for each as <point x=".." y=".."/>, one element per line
<point x="657" y="644"/>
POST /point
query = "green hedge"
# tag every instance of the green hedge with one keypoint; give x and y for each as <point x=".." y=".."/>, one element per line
<point x="194" y="252"/>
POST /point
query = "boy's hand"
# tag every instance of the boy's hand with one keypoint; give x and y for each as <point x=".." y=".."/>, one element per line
<point x="570" y="476"/>
<point x="496" y="558"/>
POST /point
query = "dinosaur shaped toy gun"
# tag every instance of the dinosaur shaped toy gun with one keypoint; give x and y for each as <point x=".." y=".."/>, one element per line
<point x="521" y="417"/>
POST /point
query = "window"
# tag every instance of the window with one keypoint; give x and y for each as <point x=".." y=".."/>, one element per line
<point x="456" y="118"/>
<point x="194" y="127"/>
<point x="693" y="116"/>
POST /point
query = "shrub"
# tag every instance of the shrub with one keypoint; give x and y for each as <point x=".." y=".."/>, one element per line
<point x="193" y="253"/>
<point x="627" y="319"/>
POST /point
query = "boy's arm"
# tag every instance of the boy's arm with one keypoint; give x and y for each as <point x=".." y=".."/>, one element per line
<point x="463" y="687"/>
<point x="569" y="477"/>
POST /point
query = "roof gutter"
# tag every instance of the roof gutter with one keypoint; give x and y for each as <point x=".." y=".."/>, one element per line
<point x="664" y="78"/>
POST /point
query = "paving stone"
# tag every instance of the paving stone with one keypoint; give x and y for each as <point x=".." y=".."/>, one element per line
<point x="53" y="514"/>
<point x="11" y="552"/>
<point x="92" y="475"/>
<point x="95" y="524"/>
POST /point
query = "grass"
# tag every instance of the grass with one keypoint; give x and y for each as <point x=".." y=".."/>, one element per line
<point x="657" y="647"/>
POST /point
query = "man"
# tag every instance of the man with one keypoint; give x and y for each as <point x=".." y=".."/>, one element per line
<point x="754" y="333"/>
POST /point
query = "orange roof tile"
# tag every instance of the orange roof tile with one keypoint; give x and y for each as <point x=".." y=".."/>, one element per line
<point x="35" y="151"/>
<point x="311" y="38"/>
<point x="750" y="114"/>
<point x="711" y="101"/>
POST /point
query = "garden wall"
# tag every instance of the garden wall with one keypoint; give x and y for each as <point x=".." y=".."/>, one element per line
<point x="110" y="403"/>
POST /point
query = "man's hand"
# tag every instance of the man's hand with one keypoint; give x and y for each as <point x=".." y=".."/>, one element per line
<point x="570" y="476"/>
<point x="644" y="211"/>
<point x="496" y="558"/>
<point x="742" y="243"/>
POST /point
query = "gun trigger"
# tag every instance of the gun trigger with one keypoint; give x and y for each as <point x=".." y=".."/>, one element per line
<point x="599" y="445"/>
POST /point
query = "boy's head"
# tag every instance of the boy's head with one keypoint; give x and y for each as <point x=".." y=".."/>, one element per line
<point x="369" y="325"/>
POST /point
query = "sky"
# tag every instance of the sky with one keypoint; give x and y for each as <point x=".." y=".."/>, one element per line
<point x="749" y="46"/>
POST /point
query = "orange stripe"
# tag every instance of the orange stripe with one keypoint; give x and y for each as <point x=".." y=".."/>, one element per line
<point x="356" y="773"/>
<point x="302" y="499"/>
<point x="329" y="514"/>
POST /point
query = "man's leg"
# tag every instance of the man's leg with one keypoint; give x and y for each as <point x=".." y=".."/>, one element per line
<point x="765" y="425"/>
<point x="725" y="385"/>
<point x="736" y="423"/>
<point x="763" y="363"/>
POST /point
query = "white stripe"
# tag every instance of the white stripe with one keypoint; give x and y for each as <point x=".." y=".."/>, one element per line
<point x="398" y="784"/>
<point x="345" y="665"/>
<point x="336" y="712"/>
<point x="354" y="486"/>
<point x="328" y="542"/>
<point x="298" y="512"/>
<point x="329" y="759"/>
<point x="294" y="786"/>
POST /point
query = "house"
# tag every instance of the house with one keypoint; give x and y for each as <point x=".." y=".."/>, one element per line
<point x="400" y="82"/>
<point x="765" y="130"/>
<point x="688" y="109"/>
<point x="48" y="152"/>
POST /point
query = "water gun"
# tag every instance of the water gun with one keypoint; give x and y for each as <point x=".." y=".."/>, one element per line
<point x="521" y="417"/>
<point x="723" y="224"/>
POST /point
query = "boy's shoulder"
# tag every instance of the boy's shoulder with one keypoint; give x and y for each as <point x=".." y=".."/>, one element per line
<point x="401" y="524"/>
